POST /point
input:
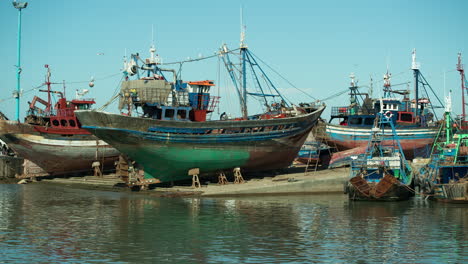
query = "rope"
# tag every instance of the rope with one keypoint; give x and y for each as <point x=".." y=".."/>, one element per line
<point x="409" y="188"/>
<point x="75" y="82"/>
<point x="24" y="92"/>
<point x="199" y="59"/>
<point x="96" y="79"/>
<point x="109" y="102"/>
<point x="115" y="96"/>
<point x="335" y="95"/>
<point x="367" y="175"/>
<point x="286" y="80"/>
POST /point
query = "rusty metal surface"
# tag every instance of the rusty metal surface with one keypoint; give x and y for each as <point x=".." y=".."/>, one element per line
<point x="361" y="185"/>
<point x="384" y="185"/>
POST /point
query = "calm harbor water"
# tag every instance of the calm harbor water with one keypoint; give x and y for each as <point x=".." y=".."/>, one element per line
<point x="55" y="224"/>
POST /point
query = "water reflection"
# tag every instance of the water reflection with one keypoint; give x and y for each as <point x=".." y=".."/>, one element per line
<point x="56" y="224"/>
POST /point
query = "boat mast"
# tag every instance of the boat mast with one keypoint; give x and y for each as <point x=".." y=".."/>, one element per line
<point x="243" y="52"/>
<point x="20" y="6"/>
<point x="353" y="89"/>
<point x="462" y="75"/>
<point x="448" y="110"/>
<point x="415" y="67"/>
<point x="48" y="83"/>
<point x="387" y="85"/>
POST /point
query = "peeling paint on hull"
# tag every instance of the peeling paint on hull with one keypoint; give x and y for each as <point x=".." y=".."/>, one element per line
<point x="169" y="156"/>
<point x="56" y="154"/>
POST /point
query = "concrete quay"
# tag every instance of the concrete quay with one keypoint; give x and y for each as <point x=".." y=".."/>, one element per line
<point x="293" y="181"/>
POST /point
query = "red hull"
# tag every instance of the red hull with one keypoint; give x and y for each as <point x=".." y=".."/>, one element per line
<point x="409" y="146"/>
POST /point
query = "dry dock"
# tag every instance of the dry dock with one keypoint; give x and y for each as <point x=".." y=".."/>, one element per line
<point x="323" y="181"/>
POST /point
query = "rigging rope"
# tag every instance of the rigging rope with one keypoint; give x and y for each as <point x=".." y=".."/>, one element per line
<point x="199" y="59"/>
<point x="96" y="79"/>
<point x="75" y="82"/>
<point x="286" y="80"/>
<point x="115" y="96"/>
<point x="360" y="86"/>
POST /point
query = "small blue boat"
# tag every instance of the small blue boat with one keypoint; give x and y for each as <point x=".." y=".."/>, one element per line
<point x="382" y="173"/>
<point x="314" y="152"/>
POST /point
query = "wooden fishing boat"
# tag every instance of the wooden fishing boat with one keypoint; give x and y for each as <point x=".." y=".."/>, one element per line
<point x="52" y="138"/>
<point x="174" y="134"/>
<point x="414" y="119"/>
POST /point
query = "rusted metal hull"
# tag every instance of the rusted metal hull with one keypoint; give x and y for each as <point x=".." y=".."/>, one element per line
<point x="387" y="189"/>
<point x="168" y="149"/>
<point x="57" y="154"/>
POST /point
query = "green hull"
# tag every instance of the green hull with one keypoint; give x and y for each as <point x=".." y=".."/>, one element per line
<point x="252" y="145"/>
<point x="171" y="163"/>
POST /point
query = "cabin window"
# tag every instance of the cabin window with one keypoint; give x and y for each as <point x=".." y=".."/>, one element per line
<point x="83" y="106"/>
<point x="169" y="113"/>
<point x="55" y="123"/>
<point x="406" y="117"/>
<point x="368" y="121"/>
<point x="181" y="114"/>
<point x="355" y="121"/>
<point x="157" y="114"/>
<point x="72" y="123"/>
<point x="63" y="122"/>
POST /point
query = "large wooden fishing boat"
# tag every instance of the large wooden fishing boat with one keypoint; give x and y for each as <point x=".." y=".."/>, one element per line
<point x="414" y="119"/>
<point x="175" y="134"/>
<point x="52" y="137"/>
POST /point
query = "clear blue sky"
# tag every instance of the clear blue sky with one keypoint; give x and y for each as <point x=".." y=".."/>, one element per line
<point x="314" y="44"/>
